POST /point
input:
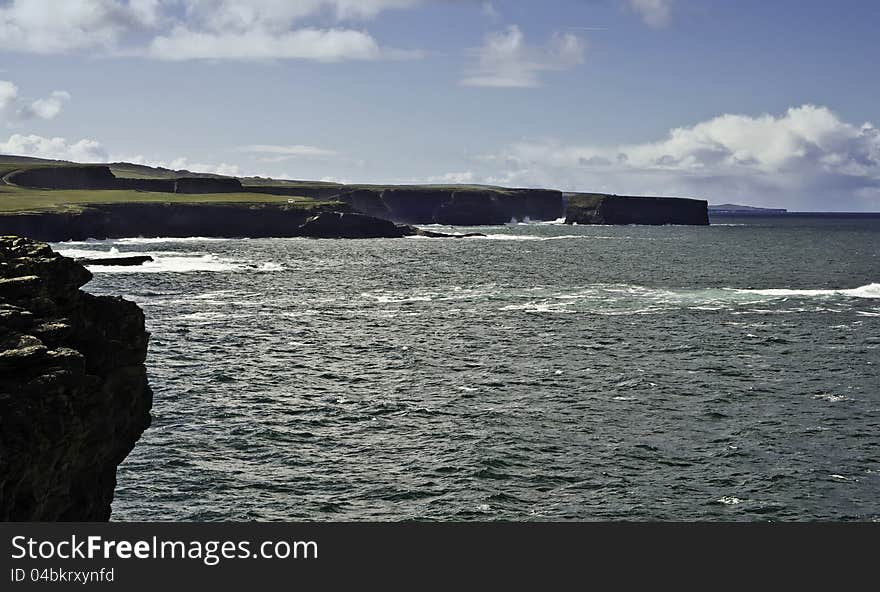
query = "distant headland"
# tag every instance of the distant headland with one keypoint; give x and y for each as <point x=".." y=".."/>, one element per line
<point x="737" y="210"/>
<point x="56" y="201"/>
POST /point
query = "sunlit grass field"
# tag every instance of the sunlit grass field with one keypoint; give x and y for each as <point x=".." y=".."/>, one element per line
<point x="18" y="199"/>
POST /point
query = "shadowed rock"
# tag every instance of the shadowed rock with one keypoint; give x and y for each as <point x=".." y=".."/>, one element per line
<point x="454" y="206"/>
<point x="207" y="185"/>
<point x="117" y="261"/>
<point x="600" y="208"/>
<point x="74" y="396"/>
<point x="346" y="225"/>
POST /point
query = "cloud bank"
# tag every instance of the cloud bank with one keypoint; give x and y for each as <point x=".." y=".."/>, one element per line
<point x="805" y="158"/>
<point x="199" y="29"/>
<point x="85" y="150"/>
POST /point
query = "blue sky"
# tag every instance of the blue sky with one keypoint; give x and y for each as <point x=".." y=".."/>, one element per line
<point x="756" y="102"/>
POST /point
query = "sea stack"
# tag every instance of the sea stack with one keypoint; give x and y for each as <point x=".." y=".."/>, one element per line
<point x="74" y="396"/>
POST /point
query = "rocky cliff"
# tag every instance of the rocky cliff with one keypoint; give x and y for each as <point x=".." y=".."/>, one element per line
<point x="207" y="185"/>
<point x="74" y="396"/>
<point x="64" y="177"/>
<point x="117" y="220"/>
<point x="455" y="206"/>
<point x="101" y="177"/>
<point x="600" y="208"/>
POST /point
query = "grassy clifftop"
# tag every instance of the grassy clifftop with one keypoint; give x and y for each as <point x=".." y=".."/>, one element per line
<point x="21" y="200"/>
<point x="18" y="199"/>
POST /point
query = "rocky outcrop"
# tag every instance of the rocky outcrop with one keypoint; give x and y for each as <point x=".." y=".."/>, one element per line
<point x="435" y="234"/>
<point x="348" y="225"/>
<point x="116" y="261"/>
<point x="74" y="396"/>
<point x="599" y="208"/>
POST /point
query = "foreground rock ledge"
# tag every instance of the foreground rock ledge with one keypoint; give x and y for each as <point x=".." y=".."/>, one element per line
<point x="74" y="396"/>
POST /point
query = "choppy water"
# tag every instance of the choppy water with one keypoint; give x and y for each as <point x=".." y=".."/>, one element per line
<point x="543" y="373"/>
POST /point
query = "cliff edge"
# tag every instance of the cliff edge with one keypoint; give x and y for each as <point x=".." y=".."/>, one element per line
<point x="74" y="396"/>
<point x="600" y="208"/>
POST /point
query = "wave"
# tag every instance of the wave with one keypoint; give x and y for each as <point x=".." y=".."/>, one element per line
<point x="185" y="264"/>
<point x="532" y="237"/>
<point x="529" y="222"/>
<point x="866" y="291"/>
<point x="630" y="300"/>
<point x="75" y="253"/>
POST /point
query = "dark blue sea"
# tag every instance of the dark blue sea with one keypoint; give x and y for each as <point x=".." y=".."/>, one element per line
<point x="544" y="372"/>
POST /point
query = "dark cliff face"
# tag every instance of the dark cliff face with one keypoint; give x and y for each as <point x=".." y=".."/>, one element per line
<point x="348" y="225"/>
<point x="74" y="396"/>
<point x="207" y="185"/>
<point x="598" y="208"/>
<point x="67" y="177"/>
<point x="462" y="207"/>
<point x="101" y="177"/>
<point x="101" y="221"/>
<point x="256" y="220"/>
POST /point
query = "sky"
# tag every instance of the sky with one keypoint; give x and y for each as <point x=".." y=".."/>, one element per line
<point x="756" y="102"/>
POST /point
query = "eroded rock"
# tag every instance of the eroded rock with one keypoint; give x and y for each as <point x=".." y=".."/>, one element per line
<point x="74" y="396"/>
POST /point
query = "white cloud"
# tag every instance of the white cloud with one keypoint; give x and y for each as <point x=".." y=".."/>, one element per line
<point x="182" y="163"/>
<point x="275" y="153"/>
<point x="490" y="11"/>
<point x="8" y="94"/>
<point x="506" y="61"/>
<point x="13" y="108"/>
<point x="88" y="150"/>
<point x="199" y="29"/>
<point x="49" y="26"/>
<point x="47" y="108"/>
<point x="456" y="178"/>
<point x="85" y="150"/>
<point x="807" y="157"/>
<point x="655" y="13"/>
<point x="308" y="44"/>
<point x="225" y="15"/>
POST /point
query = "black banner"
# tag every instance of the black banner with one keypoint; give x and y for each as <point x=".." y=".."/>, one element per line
<point x="171" y="556"/>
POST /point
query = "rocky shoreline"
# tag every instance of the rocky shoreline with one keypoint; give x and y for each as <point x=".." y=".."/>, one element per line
<point x="74" y="396"/>
<point x="150" y="220"/>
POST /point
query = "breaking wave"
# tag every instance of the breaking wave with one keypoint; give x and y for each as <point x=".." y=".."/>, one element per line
<point x="167" y="262"/>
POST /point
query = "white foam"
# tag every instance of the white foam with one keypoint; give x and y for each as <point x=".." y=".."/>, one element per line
<point x="168" y="239"/>
<point x="112" y="253"/>
<point x="531" y="237"/>
<point x="141" y="241"/>
<point x="867" y="291"/>
<point x="185" y="264"/>
<point x="831" y="398"/>
<point x="172" y="265"/>
<point x="729" y="500"/>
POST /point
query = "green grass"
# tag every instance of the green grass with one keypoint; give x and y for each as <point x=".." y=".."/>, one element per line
<point x="21" y="200"/>
<point x="254" y="182"/>
<point x="125" y="170"/>
<point x="7" y="165"/>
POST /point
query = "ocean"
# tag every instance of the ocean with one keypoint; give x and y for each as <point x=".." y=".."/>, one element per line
<point x="544" y="372"/>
